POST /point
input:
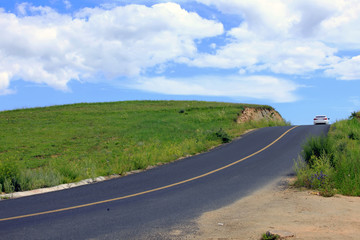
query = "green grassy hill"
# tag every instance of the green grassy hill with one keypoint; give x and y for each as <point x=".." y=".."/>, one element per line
<point x="43" y="147"/>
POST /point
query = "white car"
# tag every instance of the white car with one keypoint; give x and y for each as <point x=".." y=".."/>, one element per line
<point x="321" y="119"/>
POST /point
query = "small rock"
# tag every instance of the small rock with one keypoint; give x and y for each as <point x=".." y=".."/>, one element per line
<point x="220" y="224"/>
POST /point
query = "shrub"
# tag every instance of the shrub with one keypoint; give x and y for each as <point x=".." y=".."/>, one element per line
<point x="347" y="175"/>
<point x="270" y="236"/>
<point x="9" y="186"/>
<point x="38" y="178"/>
<point x="354" y="115"/>
<point x="319" y="176"/>
<point x="221" y="134"/>
<point x="9" y="176"/>
<point x="315" y="147"/>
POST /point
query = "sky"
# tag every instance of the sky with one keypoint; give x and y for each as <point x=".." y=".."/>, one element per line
<point x="300" y="56"/>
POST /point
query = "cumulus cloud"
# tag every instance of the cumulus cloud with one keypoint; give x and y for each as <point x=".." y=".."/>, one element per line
<point x="235" y="86"/>
<point x="266" y="18"/>
<point x="288" y="37"/>
<point x="67" y="4"/>
<point x="346" y="69"/>
<point x="298" y="37"/>
<point x="43" y="46"/>
<point x="285" y="57"/>
<point x="4" y="83"/>
<point x="296" y="19"/>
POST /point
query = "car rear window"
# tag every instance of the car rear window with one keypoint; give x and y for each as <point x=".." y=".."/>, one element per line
<point x="320" y="116"/>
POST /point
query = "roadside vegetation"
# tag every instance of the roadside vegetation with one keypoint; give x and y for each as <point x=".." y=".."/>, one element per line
<point x="270" y="236"/>
<point x="43" y="147"/>
<point x="332" y="163"/>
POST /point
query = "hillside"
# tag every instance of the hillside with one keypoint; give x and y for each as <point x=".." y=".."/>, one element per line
<point x="43" y="147"/>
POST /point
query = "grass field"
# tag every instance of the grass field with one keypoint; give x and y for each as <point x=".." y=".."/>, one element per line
<point x="43" y="147"/>
<point x="332" y="163"/>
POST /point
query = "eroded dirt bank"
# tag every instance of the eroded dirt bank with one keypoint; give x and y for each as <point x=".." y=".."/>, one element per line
<point x="257" y="114"/>
<point x="283" y="208"/>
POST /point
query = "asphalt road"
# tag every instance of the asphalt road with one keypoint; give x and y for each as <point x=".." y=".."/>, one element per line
<point x="152" y="204"/>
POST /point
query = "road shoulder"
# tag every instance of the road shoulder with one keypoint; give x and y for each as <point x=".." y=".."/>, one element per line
<point x="279" y="207"/>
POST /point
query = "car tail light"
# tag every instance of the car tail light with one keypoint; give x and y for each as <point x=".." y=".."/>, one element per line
<point x="325" y="118"/>
<point x="315" y="118"/>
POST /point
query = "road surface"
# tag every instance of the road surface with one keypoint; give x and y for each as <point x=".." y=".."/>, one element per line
<point x="155" y="203"/>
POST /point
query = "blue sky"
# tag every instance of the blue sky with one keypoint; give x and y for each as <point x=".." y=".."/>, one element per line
<point x="301" y="57"/>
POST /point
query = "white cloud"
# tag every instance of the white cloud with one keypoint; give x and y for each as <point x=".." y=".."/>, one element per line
<point x="288" y="37"/>
<point x="236" y="86"/>
<point x="286" y="57"/>
<point x="46" y="47"/>
<point x="342" y="27"/>
<point x="67" y="4"/>
<point x="332" y="21"/>
<point x="22" y="8"/>
<point x="278" y="36"/>
<point x="346" y="69"/>
<point x="4" y="83"/>
<point x="268" y="18"/>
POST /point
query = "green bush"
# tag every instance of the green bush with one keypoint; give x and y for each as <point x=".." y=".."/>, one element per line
<point x="354" y="115"/>
<point x="9" y="175"/>
<point x="269" y="236"/>
<point x="319" y="176"/>
<point x="222" y="135"/>
<point x="348" y="173"/>
<point x="315" y="147"/>
<point x="38" y="178"/>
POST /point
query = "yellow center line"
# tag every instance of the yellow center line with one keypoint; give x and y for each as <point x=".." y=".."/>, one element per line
<point x="148" y="191"/>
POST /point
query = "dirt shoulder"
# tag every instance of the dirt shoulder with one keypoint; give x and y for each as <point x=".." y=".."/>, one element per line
<point x="283" y="208"/>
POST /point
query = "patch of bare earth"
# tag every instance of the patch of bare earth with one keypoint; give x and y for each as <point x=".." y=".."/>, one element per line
<point x="284" y="209"/>
<point x="256" y="114"/>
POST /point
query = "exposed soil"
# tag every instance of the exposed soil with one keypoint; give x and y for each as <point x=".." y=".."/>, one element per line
<point x="282" y="208"/>
<point x="256" y="114"/>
